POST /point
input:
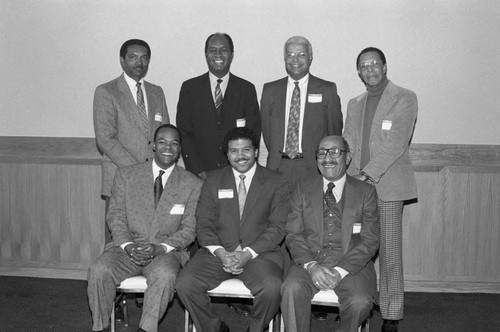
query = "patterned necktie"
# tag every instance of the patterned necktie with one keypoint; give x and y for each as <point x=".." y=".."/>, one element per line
<point x="218" y="96"/>
<point x="141" y="109"/>
<point x="158" y="187"/>
<point x="242" y="193"/>
<point x="329" y="197"/>
<point x="292" y="132"/>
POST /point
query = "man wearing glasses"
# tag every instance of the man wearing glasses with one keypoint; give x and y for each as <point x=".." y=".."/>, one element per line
<point x="379" y="127"/>
<point x="332" y="233"/>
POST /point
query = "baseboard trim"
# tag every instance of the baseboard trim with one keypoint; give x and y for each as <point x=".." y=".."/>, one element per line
<point x="43" y="273"/>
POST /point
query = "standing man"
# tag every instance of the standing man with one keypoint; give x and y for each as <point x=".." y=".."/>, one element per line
<point x="332" y="233"/>
<point x="379" y="127"/>
<point x="127" y="111"/>
<point x="151" y="217"/>
<point x="241" y="219"/>
<point x="297" y="112"/>
<point x="212" y="104"/>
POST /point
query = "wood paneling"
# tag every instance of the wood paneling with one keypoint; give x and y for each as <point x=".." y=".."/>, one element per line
<point x="52" y="215"/>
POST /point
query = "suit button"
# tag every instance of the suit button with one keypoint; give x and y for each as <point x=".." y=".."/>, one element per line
<point x="218" y="165"/>
<point x="220" y="148"/>
<point x="147" y="159"/>
<point x="241" y="241"/>
<point x="149" y="142"/>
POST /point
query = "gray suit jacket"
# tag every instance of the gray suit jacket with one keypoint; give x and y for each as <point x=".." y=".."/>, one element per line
<point x="320" y="119"/>
<point x="132" y="216"/>
<point x="304" y="228"/>
<point x="117" y="130"/>
<point x="390" y="165"/>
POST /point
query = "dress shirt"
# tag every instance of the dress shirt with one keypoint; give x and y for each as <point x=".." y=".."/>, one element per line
<point x="248" y="181"/>
<point x="223" y="85"/>
<point x="337" y="192"/>
<point x="133" y="88"/>
<point x="164" y="179"/>
<point x="303" y="99"/>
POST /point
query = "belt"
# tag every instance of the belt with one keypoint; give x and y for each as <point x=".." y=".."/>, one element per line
<point x="285" y="156"/>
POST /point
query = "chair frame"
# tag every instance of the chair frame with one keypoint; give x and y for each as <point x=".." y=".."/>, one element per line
<point x="121" y="292"/>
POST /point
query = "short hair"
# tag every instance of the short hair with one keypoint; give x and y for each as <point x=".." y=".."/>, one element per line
<point x="167" y="125"/>
<point x="299" y="40"/>
<point x="229" y="40"/>
<point x="371" y="49"/>
<point x="240" y="133"/>
<point x="130" y="42"/>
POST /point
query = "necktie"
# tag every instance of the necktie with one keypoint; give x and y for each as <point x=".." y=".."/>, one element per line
<point x="218" y="96"/>
<point x="329" y="197"/>
<point x="242" y="193"/>
<point x="292" y="132"/>
<point x="141" y="109"/>
<point x="158" y="187"/>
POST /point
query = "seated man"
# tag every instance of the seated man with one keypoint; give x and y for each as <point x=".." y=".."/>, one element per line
<point x="150" y="232"/>
<point x="240" y="222"/>
<point x="332" y="233"/>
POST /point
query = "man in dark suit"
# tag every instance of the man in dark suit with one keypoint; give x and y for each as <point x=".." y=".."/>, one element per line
<point x="127" y="111"/>
<point x="240" y="218"/>
<point x="151" y="229"/>
<point x="332" y="233"/>
<point x="379" y="127"/>
<point x="212" y="104"/>
<point x="297" y="112"/>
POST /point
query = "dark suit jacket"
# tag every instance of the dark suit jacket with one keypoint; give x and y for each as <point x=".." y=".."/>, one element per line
<point x="117" y="126"/>
<point x="132" y="216"/>
<point x="390" y="164"/>
<point x="263" y="222"/>
<point x="202" y="132"/>
<point x="320" y="119"/>
<point x="304" y="228"/>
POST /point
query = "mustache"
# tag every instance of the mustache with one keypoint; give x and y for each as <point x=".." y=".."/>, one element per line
<point x="240" y="159"/>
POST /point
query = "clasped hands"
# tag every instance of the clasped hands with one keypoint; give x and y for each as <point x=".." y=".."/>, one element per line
<point x="143" y="254"/>
<point x="233" y="261"/>
<point x="324" y="278"/>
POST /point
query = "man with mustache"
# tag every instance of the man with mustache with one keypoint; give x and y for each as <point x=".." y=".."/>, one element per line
<point x="152" y="220"/>
<point x="240" y="218"/>
<point x="212" y="104"/>
<point x="127" y="111"/>
<point x="332" y="233"/>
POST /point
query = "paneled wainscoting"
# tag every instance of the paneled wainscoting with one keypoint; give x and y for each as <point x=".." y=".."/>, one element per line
<point x="52" y="215"/>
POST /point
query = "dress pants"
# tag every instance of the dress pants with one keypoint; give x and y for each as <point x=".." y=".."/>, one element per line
<point x="114" y="266"/>
<point x="262" y="275"/>
<point x="355" y="294"/>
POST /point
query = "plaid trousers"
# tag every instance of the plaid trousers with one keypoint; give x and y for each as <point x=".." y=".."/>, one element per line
<point x="391" y="281"/>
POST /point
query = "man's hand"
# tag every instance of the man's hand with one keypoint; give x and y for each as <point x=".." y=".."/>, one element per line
<point x="203" y="175"/>
<point x="153" y="249"/>
<point x="324" y="278"/>
<point x="227" y="261"/>
<point x="242" y="257"/>
<point x="142" y="255"/>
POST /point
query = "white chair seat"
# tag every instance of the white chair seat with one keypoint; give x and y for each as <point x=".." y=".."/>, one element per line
<point x="231" y="288"/>
<point x="328" y="298"/>
<point x="135" y="284"/>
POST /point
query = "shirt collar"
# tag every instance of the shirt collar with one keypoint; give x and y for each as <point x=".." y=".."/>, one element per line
<point x="131" y="82"/>
<point x="248" y="175"/>
<point x="339" y="187"/>
<point x="213" y="78"/>
<point x="156" y="170"/>
<point x="302" y="81"/>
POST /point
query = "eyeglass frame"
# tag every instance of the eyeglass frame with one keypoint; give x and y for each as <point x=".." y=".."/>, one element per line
<point x="370" y="65"/>
<point x="328" y="152"/>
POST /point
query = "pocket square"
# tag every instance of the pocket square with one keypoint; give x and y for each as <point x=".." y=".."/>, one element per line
<point x="356" y="228"/>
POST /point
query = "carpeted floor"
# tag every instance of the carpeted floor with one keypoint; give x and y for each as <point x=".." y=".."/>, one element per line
<point x="35" y="304"/>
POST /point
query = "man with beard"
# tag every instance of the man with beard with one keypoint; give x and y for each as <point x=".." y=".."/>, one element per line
<point x="212" y="104"/>
<point x="152" y="220"/>
<point x="332" y="233"/>
<point x="379" y="127"/>
<point x="240" y="218"/>
<point x="127" y="111"/>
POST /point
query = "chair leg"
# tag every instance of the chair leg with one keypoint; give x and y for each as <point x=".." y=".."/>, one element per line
<point x="188" y="322"/>
<point x="125" y="311"/>
<point x="112" y="322"/>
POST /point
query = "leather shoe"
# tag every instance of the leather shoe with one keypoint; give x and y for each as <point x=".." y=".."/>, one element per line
<point x="107" y="329"/>
<point x="390" y="325"/>
<point x="223" y="327"/>
<point x="242" y="309"/>
<point x="139" y="301"/>
<point x="141" y="330"/>
<point x="319" y="314"/>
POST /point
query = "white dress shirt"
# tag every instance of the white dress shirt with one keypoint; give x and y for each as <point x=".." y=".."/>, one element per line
<point x="303" y="82"/>
<point x="133" y="88"/>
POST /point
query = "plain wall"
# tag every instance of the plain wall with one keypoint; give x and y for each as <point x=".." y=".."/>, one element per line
<point x="54" y="53"/>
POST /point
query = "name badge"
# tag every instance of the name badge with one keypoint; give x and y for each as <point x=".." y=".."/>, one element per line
<point x="226" y="193"/>
<point x="314" y="98"/>
<point x="241" y="122"/>
<point x="158" y="117"/>
<point x="356" y="228"/>
<point x="177" y="209"/>
<point x="386" y="125"/>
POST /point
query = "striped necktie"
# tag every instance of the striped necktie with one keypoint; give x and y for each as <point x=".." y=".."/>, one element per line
<point x="141" y="109"/>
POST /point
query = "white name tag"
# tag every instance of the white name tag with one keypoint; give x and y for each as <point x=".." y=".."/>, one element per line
<point x="158" y="117"/>
<point x="312" y="98"/>
<point x="226" y="193"/>
<point x="177" y="209"/>
<point x="386" y="125"/>
<point x="241" y="122"/>
<point x="356" y="228"/>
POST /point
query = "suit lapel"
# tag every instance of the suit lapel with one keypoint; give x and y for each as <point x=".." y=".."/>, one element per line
<point x="316" y="193"/>
<point x="230" y="205"/>
<point x="167" y="200"/>
<point x="254" y="192"/>
<point x="349" y="213"/>
<point x="280" y="110"/>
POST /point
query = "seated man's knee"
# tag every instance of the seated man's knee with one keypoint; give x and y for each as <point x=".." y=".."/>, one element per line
<point x="360" y="303"/>
<point x="291" y="287"/>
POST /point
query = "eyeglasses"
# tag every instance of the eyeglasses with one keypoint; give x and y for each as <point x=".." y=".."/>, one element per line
<point x="370" y="64"/>
<point x="333" y="152"/>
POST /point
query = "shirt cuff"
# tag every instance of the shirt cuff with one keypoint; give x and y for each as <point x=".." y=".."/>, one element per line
<point x="342" y="272"/>
<point x="167" y="247"/>
<point x="213" y="248"/>
<point x="309" y="265"/>
<point x="254" y="254"/>
<point x="124" y="245"/>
